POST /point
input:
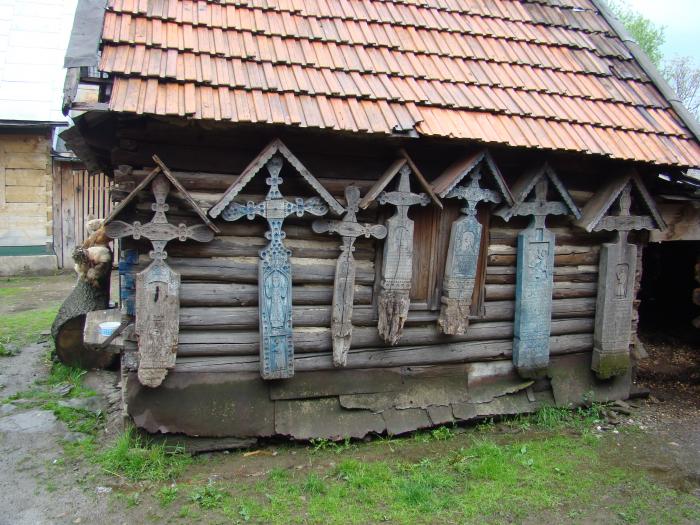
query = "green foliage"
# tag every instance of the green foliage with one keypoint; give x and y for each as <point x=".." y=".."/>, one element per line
<point x="648" y="35"/>
<point x="314" y="485"/>
<point x="209" y="496"/>
<point x="22" y="328"/>
<point x="167" y="495"/>
<point x="136" y="458"/>
<point x="76" y="419"/>
<point x="442" y="433"/>
<point x="324" y="445"/>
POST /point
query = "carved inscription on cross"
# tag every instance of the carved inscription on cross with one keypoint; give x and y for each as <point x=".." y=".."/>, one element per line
<point x="275" y="272"/>
<point x="344" y="285"/>
<point x="617" y="268"/>
<point x="463" y="256"/>
<point x="534" y="274"/>
<point x="158" y="286"/>
<point x="397" y="263"/>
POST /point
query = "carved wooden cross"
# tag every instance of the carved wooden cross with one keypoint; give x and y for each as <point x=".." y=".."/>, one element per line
<point x="275" y="272"/>
<point x="535" y="269"/>
<point x="344" y="285"/>
<point x="397" y="263"/>
<point x="158" y="286"/>
<point x="463" y="256"/>
<point x="616" y="270"/>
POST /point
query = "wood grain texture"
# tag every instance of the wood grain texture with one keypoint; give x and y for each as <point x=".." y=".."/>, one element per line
<point x="397" y="260"/>
<point x="344" y="282"/>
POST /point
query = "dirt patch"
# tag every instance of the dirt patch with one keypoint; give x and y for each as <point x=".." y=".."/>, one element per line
<point x="41" y="483"/>
<point x="34" y="293"/>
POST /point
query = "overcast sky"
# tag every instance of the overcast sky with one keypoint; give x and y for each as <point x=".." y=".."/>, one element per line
<point x="681" y="19"/>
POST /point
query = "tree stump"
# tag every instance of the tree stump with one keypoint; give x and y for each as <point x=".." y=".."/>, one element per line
<point x="93" y="263"/>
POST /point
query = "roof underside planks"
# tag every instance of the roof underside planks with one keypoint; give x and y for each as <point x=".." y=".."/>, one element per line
<point x="527" y="74"/>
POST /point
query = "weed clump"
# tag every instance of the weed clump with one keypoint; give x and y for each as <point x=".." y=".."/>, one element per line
<point x="138" y="459"/>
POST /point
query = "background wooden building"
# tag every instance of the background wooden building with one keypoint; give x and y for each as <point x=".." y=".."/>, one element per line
<point x="545" y="100"/>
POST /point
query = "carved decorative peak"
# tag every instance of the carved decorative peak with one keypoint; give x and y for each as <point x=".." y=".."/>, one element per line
<point x="404" y="167"/>
<point x="478" y="165"/>
<point x="610" y="208"/>
<point x="272" y="156"/>
<point x="160" y="168"/>
<point x="535" y="203"/>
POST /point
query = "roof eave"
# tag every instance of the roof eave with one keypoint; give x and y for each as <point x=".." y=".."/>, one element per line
<point x="649" y="68"/>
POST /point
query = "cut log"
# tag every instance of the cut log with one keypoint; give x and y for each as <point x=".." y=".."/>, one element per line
<point x="562" y="290"/>
<point x="67" y="328"/>
<point x="389" y="357"/>
<point x="316" y="339"/>
<point x="230" y="246"/>
<point x="245" y="269"/>
<point x="243" y="318"/>
<point x="224" y="294"/>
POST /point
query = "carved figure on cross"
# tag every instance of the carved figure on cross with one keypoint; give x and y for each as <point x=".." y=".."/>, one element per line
<point x="275" y="272"/>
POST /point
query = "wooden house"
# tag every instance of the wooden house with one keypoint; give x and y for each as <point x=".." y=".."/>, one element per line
<point x="45" y="197"/>
<point x="346" y="217"/>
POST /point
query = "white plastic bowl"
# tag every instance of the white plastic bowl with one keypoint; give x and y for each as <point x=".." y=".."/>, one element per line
<point x="108" y="328"/>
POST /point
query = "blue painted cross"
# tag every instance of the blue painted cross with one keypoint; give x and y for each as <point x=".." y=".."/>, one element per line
<point x="535" y="269"/>
<point x="275" y="271"/>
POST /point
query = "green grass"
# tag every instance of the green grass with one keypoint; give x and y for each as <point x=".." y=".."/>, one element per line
<point x="555" y="469"/>
<point x="484" y="482"/>
<point x="22" y="328"/>
<point x="136" y="458"/>
<point x="208" y="496"/>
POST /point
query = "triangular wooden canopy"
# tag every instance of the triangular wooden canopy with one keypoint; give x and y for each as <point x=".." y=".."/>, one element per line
<point x="389" y="175"/>
<point x="161" y="168"/>
<point x="526" y="184"/>
<point x="276" y="146"/>
<point x="599" y="205"/>
<point x="461" y="168"/>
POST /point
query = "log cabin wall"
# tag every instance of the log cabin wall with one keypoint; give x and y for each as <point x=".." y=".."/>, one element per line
<point x="426" y="378"/>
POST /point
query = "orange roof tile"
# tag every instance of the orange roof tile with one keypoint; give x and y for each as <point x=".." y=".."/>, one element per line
<point x="550" y="75"/>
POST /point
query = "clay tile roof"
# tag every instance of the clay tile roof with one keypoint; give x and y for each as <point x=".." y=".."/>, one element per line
<point x="545" y="74"/>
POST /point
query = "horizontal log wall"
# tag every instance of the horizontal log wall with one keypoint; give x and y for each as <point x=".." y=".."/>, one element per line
<point x="219" y="293"/>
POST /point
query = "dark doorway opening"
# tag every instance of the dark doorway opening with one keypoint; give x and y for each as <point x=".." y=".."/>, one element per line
<point x="666" y="294"/>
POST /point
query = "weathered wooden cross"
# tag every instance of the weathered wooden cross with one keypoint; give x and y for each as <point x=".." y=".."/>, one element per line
<point x="158" y="286"/>
<point x="616" y="271"/>
<point x="463" y="256"/>
<point x="535" y="269"/>
<point x="275" y="272"/>
<point x="397" y="263"/>
<point x="344" y="285"/>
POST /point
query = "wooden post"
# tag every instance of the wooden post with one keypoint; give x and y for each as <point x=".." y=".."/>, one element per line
<point x="275" y="271"/>
<point x="344" y="284"/>
<point x="617" y="270"/>
<point x="535" y="270"/>
<point x="397" y="260"/>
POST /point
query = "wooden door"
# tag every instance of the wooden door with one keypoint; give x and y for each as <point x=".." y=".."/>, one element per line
<point x="77" y="198"/>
